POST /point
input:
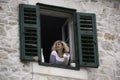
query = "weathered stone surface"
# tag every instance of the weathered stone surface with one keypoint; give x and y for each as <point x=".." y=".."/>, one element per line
<point x="1" y="8"/>
<point x="117" y="73"/>
<point x="117" y="65"/>
<point x="100" y="34"/>
<point x="3" y="77"/>
<point x="117" y="60"/>
<point x="115" y="11"/>
<point x="116" y="4"/>
<point x="3" y="69"/>
<point x="14" y="78"/>
<point x="103" y="54"/>
<point x="4" y="1"/>
<point x="117" y="78"/>
<point x="92" y="78"/>
<point x="106" y="70"/>
<point x="117" y="28"/>
<point x="94" y="0"/>
<point x="2" y="31"/>
<point x="106" y="45"/>
<point x="12" y="23"/>
<point x="27" y="78"/>
<point x="3" y="21"/>
<point x="108" y="61"/>
<point x="100" y="77"/>
<point x="119" y="39"/>
<point x="109" y="36"/>
<point x="3" y="54"/>
<point x="5" y="62"/>
<point x="15" y="69"/>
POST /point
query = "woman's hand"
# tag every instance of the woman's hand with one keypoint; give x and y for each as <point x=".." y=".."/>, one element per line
<point x="66" y="55"/>
<point x="35" y="58"/>
<point x="66" y="58"/>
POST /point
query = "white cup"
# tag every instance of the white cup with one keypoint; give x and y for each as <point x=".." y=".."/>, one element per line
<point x="72" y="64"/>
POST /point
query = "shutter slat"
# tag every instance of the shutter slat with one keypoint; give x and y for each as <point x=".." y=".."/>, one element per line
<point x="27" y="41"/>
<point x="31" y="18"/>
<point x="85" y="23"/>
<point x="30" y="15"/>
<point x="89" y="25"/>
<point x="87" y="37"/>
<point x="27" y="44"/>
<point x="31" y="37"/>
<point x="87" y="51"/>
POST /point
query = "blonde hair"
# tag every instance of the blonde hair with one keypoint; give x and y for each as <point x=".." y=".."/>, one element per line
<point x="65" y="46"/>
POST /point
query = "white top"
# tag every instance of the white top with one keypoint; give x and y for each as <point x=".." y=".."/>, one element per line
<point x="55" y="59"/>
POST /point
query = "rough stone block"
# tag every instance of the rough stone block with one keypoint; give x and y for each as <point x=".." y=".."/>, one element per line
<point x="116" y="4"/>
<point x="3" y="54"/>
<point x="3" y="68"/>
<point x="106" y="70"/>
<point x="117" y="28"/>
<point x="100" y="34"/>
<point x="4" y="1"/>
<point x="3" y="77"/>
<point x="109" y="36"/>
<point x="1" y="8"/>
<point x="108" y="61"/>
<point x="117" y="72"/>
<point x="2" y="31"/>
<point x="119" y="39"/>
<point x="103" y="77"/>
<point x="94" y="0"/>
<point x="106" y="45"/>
<point x="117" y="78"/>
<point x="12" y="23"/>
<point x="14" y="78"/>
<point x="3" y="21"/>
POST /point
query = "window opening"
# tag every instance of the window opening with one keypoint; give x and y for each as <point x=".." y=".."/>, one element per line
<point x="51" y="31"/>
<point x="55" y="27"/>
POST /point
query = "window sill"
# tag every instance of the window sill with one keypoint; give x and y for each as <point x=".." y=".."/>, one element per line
<point x="53" y="71"/>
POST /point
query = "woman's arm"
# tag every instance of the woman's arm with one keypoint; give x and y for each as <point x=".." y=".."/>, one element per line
<point x="52" y="58"/>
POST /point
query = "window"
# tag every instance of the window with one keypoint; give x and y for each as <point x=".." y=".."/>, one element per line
<point x="42" y="24"/>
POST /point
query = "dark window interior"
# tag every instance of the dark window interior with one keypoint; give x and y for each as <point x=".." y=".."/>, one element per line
<point x="51" y="30"/>
<point x="66" y="33"/>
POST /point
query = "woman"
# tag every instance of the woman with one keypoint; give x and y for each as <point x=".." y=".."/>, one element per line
<point x="59" y="54"/>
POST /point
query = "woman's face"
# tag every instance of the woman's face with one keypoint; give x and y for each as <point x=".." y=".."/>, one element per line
<point x="59" y="46"/>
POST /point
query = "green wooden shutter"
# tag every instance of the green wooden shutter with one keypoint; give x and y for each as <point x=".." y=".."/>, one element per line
<point x="29" y="32"/>
<point x="87" y="40"/>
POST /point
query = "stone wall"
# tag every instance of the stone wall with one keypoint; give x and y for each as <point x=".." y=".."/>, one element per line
<point x="10" y="66"/>
<point x="108" y="28"/>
